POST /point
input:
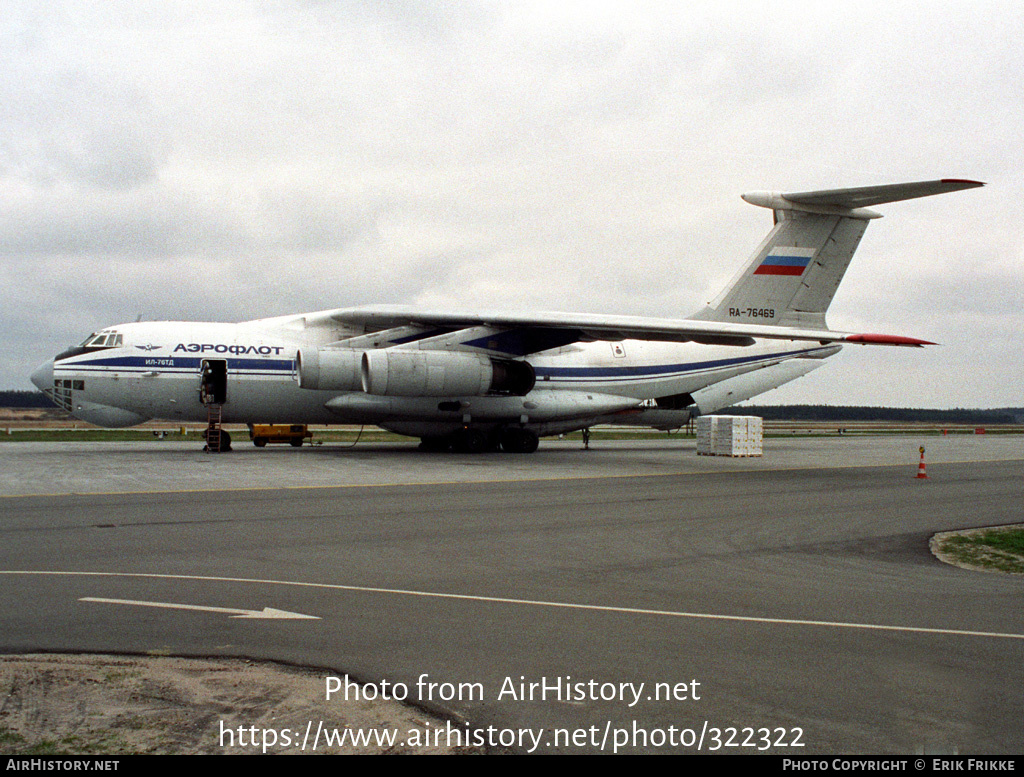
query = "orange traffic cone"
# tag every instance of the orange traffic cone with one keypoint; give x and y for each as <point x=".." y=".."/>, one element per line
<point x="921" y="474"/>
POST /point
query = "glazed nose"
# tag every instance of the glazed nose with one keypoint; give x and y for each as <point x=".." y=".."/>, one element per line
<point x="43" y="376"/>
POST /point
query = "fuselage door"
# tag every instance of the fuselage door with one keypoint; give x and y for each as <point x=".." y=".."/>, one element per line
<point x="213" y="387"/>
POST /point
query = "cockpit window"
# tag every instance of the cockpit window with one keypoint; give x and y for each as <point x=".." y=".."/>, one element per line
<point x="103" y="340"/>
<point x="92" y="343"/>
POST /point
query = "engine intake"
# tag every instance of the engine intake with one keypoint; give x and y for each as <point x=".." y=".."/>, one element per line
<point x="442" y="374"/>
<point x="328" y="369"/>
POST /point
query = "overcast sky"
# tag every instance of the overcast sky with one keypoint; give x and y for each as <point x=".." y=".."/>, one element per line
<point x="233" y="160"/>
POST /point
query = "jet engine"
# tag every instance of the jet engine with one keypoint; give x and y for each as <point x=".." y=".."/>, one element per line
<point x="393" y="373"/>
<point x="328" y="369"/>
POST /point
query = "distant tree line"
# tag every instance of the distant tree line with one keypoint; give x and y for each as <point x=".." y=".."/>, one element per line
<point x="24" y="399"/>
<point x="1004" y="415"/>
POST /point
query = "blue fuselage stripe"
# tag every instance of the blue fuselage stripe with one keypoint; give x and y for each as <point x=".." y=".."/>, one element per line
<point x="264" y="367"/>
<point x="174" y="363"/>
<point x="657" y="370"/>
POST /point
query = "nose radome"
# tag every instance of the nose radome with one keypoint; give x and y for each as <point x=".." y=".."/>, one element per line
<point x="43" y="376"/>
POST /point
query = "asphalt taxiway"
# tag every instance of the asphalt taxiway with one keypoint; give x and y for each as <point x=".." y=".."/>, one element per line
<point x="793" y="593"/>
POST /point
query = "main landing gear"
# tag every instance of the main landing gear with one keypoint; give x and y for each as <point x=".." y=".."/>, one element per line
<point x="511" y="439"/>
<point x="515" y="439"/>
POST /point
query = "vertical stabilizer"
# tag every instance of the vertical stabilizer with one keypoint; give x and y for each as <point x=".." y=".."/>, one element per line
<point x="795" y="272"/>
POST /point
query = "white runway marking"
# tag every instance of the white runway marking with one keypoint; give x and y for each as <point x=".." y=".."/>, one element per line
<point x="539" y="603"/>
<point x="267" y="613"/>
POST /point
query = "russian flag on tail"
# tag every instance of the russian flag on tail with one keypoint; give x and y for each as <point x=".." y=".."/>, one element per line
<point x="785" y="260"/>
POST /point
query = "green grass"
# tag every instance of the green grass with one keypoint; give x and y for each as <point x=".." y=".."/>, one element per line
<point x="9" y="740"/>
<point x="145" y="435"/>
<point x="97" y="743"/>
<point x="1009" y="540"/>
<point x="88" y="435"/>
<point x="239" y="437"/>
<point x="999" y="549"/>
<point x="374" y="434"/>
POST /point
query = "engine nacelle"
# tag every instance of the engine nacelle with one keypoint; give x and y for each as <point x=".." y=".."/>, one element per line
<point x="328" y="369"/>
<point x="442" y="374"/>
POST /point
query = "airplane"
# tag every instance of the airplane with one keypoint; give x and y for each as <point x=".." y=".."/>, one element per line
<point x="489" y="380"/>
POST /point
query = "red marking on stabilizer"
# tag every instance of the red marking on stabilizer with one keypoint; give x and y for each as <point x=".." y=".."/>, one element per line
<point x="886" y="340"/>
<point x="779" y="269"/>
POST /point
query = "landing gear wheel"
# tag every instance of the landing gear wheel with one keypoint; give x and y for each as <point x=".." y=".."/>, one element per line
<point x="515" y="439"/>
<point x="494" y="441"/>
<point x="470" y="441"/>
<point x="435" y="444"/>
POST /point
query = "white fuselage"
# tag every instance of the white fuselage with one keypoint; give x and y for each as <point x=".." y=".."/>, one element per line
<point x="153" y="372"/>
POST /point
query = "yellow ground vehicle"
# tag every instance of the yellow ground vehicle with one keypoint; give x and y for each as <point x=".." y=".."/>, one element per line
<point x="293" y="434"/>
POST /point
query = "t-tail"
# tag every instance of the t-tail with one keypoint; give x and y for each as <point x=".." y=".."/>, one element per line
<point x="793" y="275"/>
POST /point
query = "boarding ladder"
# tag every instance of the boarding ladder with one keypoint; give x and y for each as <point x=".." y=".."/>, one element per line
<point x="213" y="430"/>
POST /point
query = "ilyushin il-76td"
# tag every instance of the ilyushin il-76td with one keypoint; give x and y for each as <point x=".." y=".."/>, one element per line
<point x="484" y="380"/>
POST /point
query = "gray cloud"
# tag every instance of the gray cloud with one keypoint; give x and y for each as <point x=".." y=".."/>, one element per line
<point x="289" y="156"/>
<point x="70" y="127"/>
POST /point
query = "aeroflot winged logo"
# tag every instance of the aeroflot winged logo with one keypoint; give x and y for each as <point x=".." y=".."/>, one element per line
<point x="785" y="260"/>
<point x="149" y="347"/>
<point x="261" y="350"/>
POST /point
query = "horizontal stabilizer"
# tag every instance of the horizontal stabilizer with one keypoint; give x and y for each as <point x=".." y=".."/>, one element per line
<point x="866" y="196"/>
<point x="795" y="272"/>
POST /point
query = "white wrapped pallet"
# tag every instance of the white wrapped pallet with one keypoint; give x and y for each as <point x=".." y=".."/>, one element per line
<point x="730" y="435"/>
<point x="706" y="435"/>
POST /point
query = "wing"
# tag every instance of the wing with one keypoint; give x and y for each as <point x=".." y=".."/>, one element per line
<point x="529" y="333"/>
